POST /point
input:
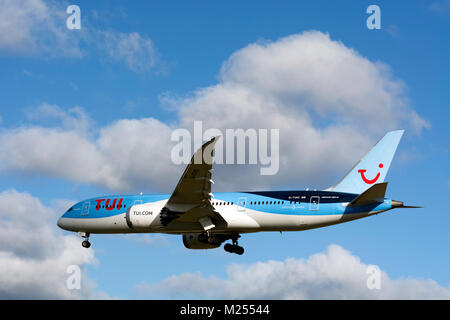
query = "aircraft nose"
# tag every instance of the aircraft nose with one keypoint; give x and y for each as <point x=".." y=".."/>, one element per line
<point x="60" y="223"/>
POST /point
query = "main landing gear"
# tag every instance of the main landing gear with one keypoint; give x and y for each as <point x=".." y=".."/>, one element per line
<point x="234" y="248"/>
<point x="86" y="244"/>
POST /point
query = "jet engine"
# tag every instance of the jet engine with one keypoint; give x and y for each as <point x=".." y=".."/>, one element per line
<point x="141" y="216"/>
<point x="202" y="241"/>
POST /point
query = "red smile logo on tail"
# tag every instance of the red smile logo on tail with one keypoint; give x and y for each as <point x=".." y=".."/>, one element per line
<point x="362" y="171"/>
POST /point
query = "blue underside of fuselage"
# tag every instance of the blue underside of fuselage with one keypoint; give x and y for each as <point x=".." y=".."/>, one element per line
<point x="273" y="202"/>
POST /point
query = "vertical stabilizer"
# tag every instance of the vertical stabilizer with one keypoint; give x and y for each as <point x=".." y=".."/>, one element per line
<point x="372" y="168"/>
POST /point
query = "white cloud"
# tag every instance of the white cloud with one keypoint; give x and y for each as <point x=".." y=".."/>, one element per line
<point x="34" y="257"/>
<point x="327" y="100"/>
<point x="333" y="274"/>
<point x="138" y="152"/>
<point x="125" y="154"/>
<point x="311" y="71"/>
<point x="38" y="27"/>
<point x="303" y="75"/>
<point x="74" y="119"/>
<point x="330" y="104"/>
<point x="52" y="152"/>
<point x="138" y="51"/>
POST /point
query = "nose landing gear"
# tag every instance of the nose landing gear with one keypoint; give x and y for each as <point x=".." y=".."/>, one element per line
<point x="234" y="248"/>
<point x="86" y="244"/>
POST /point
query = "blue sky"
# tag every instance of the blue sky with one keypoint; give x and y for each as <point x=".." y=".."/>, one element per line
<point x="87" y="90"/>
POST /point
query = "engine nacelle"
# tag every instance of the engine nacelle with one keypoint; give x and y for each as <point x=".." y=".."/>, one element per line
<point x="141" y="216"/>
<point x="201" y="241"/>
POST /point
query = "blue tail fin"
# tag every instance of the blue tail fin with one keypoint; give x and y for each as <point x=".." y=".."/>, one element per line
<point x="373" y="167"/>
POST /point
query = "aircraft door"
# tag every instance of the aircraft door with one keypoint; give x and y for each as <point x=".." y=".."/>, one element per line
<point x="241" y="204"/>
<point x="85" y="208"/>
<point x="314" y="203"/>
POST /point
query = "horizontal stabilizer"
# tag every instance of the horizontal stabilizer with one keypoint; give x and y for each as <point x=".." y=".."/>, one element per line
<point x="374" y="194"/>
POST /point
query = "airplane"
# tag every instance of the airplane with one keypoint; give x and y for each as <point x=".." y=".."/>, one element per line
<point x="206" y="221"/>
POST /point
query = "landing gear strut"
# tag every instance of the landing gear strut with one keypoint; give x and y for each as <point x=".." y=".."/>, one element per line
<point x="234" y="248"/>
<point x="86" y="244"/>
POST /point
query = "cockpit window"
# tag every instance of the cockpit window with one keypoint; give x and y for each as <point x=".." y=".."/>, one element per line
<point x="70" y="209"/>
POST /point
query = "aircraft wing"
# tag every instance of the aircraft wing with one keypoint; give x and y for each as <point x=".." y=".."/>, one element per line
<point x="191" y="199"/>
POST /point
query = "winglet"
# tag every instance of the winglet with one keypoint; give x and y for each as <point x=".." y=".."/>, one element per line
<point x="205" y="153"/>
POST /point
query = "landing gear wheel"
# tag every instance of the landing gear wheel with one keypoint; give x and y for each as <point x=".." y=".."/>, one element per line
<point x="239" y="250"/>
<point x="228" y="247"/>
<point x="85" y="235"/>
<point x="231" y="248"/>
